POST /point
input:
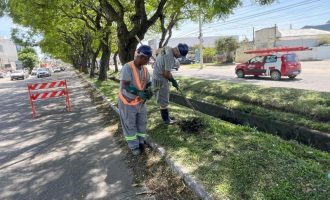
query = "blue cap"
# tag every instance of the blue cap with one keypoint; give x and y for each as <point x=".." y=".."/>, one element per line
<point x="183" y="48"/>
<point x="144" y="50"/>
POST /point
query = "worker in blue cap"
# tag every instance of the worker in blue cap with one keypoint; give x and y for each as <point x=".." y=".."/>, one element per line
<point x="135" y="89"/>
<point x="162" y="75"/>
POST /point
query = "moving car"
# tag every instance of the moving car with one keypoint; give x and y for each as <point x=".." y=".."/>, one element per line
<point x="186" y="61"/>
<point x="271" y="63"/>
<point x="18" y="74"/>
<point x="57" y="69"/>
<point x="43" y="72"/>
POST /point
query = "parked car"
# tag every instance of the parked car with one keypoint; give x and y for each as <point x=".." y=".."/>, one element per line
<point x="274" y="65"/>
<point x="186" y="61"/>
<point x="18" y="74"/>
<point x="43" y="72"/>
<point x="57" y="69"/>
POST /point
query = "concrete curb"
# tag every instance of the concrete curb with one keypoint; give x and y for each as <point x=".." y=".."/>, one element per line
<point x="192" y="182"/>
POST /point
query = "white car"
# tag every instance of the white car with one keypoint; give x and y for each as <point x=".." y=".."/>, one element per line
<point x="57" y="69"/>
<point x="18" y="74"/>
<point x="43" y="72"/>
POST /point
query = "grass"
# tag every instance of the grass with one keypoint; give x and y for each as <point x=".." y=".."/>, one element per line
<point x="302" y="107"/>
<point x="270" y="103"/>
<point x="238" y="162"/>
<point x="197" y="65"/>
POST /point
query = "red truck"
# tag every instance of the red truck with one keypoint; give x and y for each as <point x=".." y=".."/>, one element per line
<point x="273" y="62"/>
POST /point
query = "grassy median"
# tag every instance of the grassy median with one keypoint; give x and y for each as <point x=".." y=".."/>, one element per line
<point x="301" y="107"/>
<point x="238" y="162"/>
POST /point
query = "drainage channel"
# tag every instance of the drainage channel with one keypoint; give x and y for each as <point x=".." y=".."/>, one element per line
<point x="314" y="138"/>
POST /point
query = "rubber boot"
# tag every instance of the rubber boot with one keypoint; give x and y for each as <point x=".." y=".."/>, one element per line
<point x="165" y="116"/>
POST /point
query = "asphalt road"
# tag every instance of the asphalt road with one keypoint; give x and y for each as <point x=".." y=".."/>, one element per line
<point x="315" y="76"/>
<point x="58" y="155"/>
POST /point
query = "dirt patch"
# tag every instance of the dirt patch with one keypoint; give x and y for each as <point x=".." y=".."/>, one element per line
<point x="193" y="125"/>
<point x="148" y="169"/>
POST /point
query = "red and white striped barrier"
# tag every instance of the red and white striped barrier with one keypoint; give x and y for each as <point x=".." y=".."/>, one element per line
<point x="42" y="91"/>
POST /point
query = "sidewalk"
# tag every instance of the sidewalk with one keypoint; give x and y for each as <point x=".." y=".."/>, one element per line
<point x="59" y="155"/>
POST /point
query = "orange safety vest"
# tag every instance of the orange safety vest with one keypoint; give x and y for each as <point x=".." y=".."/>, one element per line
<point x="140" y="86"/>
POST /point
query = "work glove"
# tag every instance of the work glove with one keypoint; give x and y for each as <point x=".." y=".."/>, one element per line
<point x="148" y="85"/>
<point x="174" y="83"/>
<point x="133" y="90"/>
<point x="142" y="95"/>
<point x="148" y="93"/>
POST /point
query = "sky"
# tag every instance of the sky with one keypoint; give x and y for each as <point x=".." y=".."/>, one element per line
<point x="283" y="13"/>
<point x="298" y="13"/>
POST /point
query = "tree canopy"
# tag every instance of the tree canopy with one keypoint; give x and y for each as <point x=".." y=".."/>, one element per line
<point x="28" y="57"/>
<point x="81" y="31"/>
<point x="226" y="46"/>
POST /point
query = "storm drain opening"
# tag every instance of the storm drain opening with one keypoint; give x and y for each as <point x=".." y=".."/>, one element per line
<point x="192" y="125"/>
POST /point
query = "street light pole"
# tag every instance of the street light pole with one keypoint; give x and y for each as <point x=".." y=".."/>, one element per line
<point x="200" y="40"/>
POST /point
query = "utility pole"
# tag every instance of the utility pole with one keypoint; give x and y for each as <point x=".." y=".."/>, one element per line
<point x="200" y="40"/>
<point x="275" y="27"/>
<point x="253" y="35"/>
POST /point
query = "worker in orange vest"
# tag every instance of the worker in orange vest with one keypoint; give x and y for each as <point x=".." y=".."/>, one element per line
<point x="135" y="89"/>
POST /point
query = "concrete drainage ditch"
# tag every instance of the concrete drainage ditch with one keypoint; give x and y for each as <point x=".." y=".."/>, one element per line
<point x="316" y="139"/>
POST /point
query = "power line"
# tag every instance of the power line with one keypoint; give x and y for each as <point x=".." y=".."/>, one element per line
<point x="280" y="9"/>
<point x="277" y="18"/>
<point x="261" y="25"/>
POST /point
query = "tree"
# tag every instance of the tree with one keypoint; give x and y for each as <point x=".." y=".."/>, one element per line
<point x="226" y="46"/>
<point x="208" y="54"/>
<point x="28" y="57"/>
<point x="3" y="6"/>
<point x="79" y="24"/>
<point x="24" y="38"/>
<point x="131" y="20"/>
<point x="103" y="18"/>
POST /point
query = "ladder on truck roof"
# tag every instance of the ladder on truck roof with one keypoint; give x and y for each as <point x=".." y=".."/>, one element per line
<point x="277" y="49"/>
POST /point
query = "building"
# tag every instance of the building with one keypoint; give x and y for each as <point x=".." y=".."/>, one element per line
<point x="8" y="54"/>
<point x="208" y="41"/>
<point x="323" y="27"/>
<point x="273" y="37"/>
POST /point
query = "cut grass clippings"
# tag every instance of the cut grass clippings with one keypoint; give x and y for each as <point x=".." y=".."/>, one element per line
<point x="150" y="173"/>
<point x="301" y="107"/>
<point x="238" y="162"/>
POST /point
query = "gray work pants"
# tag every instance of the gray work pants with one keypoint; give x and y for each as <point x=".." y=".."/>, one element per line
<point x="162" y="92"/>
<point x="134" y="123"/>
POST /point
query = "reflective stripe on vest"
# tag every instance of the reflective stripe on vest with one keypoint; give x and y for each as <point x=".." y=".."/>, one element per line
<point x="139" y="84"/>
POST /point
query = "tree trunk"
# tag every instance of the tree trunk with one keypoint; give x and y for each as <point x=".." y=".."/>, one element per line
<point x="115" y="61"/>
<point x="126" y="49"/>
<point x="104" y="63"/>
<point x="84" y="61"/>
<point x="93" y="64"/>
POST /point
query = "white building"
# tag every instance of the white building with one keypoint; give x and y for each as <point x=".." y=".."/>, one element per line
<point x="8" y="54"/>
<point x="272" y="37"/>
<point x="208" y="41"/>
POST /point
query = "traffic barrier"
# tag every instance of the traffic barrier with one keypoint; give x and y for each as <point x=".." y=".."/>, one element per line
<point x="47" y="90"/>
